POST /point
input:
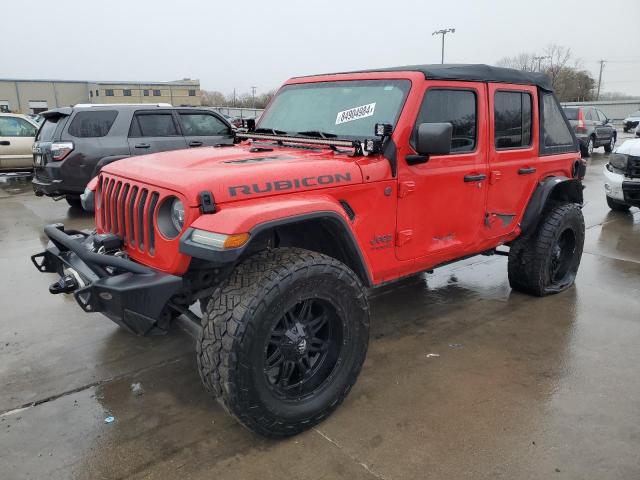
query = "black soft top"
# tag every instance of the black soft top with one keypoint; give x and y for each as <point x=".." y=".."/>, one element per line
<point x="472" y="73"/>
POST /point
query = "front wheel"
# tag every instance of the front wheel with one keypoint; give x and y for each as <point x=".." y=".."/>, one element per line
<point x="608" y="148"/>
<point x="284" y="339"/>
<point x="547" y="261"/>
<point x="617" y="206"/>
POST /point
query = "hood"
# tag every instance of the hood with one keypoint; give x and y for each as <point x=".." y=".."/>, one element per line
<point x="239" y="172"/>
<point x="630" y="147"/>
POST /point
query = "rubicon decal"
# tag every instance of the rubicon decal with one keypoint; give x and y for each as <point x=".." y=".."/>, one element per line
<point x="289" y="184"/>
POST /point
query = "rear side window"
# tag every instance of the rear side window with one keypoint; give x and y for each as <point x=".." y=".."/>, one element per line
<point x="202" y="124"/>
<point x="48" y="129"/>
<point x="512" y="113"/>
<point x="153" y="125"/>
<point x="557" y="137"/>
<point x="457" y="107"/>
<point x="92" y="124"/>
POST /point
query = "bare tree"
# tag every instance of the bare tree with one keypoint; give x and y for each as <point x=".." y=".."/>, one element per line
<point x="526" y="62"/>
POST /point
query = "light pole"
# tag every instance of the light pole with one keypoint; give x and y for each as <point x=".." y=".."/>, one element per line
<point x="539" y="60"/>
<point x="602" y="62"/>
<point x="253" y="96"/>
<point x="443" y="32"/>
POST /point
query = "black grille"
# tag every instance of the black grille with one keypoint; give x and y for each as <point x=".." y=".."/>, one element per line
<point x="128" y="211"/>
<point x="633" y="167"/>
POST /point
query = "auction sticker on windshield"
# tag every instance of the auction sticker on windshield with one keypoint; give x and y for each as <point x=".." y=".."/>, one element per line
<point x="355" y="113"/>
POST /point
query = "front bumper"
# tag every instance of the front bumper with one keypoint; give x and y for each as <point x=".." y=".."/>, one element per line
<point x="132" y="295"/>
<point x="621" y="188"/>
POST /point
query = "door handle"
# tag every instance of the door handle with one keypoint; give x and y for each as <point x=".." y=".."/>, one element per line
<point x="526" y="171"/>
<point x="142" y="145"/>
<point x="475" y="178"/>
<point x="195" y="143"/>
<point x="5" y="142"/>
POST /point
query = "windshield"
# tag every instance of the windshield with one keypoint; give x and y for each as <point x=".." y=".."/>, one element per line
<point x="348" y="109"/>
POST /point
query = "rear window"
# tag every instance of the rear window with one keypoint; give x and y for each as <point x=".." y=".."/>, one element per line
<point x="557" y="137"/>
<point x="512" y="112"/>
<point x="92" y="124"/>
<point x="571" y="113"/>
<point x="153" y="125"/>
<point x="48" y="129"/>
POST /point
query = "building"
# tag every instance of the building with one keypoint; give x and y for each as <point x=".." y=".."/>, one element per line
<point x="34" y="96"/>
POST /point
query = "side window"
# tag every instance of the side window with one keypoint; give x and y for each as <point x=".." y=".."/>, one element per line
<point x="109" y="92"/>
<point x="16" y="127"/>
<point x="202" y="124"/>
<point x="153" y="125"/>
<point x="513" y="118"/>
<point x="557" y="137"/>
<point x="457" y="107"/>
<point x="92" y="124"/>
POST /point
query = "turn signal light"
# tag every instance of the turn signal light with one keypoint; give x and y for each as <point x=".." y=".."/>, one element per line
<point x="236" y="240"/>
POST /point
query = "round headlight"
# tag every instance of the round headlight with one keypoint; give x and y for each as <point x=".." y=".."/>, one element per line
<point x="619" y="161"/>
<point x="170" y="218"/>
<point x="177" y="214"/>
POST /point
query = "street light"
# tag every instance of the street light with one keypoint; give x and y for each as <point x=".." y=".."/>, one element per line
<point x="443" y="32"/>
<point x="539" y="60"/>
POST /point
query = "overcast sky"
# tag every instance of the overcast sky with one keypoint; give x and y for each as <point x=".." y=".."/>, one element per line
<point x="263" y="42"/>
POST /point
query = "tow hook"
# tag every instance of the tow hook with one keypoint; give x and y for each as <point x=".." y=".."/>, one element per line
<point x="66" y="284"/>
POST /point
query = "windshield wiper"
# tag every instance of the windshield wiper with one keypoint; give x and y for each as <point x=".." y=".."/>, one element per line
<point x="317" y="133"/>
<point x="272" y="131"/>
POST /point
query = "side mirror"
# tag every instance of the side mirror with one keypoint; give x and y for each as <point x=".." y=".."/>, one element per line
<point x="434" y="138"/>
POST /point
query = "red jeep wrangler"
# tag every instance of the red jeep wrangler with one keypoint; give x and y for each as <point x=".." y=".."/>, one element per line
<point x="349" y="181"/>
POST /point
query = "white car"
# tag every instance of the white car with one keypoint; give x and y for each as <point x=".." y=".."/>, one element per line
<point x="631" y="122"/>
<point x="17" y="133"/>
<point x="638" y="130"/>
<point x="622" y="176"/>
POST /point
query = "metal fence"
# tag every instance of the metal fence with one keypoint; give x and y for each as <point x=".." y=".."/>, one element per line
<point x="614" y="109"/>
<point x="239" y="112"/>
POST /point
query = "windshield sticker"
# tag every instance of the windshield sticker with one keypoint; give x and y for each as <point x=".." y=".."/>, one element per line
<point x="355" y="113"/>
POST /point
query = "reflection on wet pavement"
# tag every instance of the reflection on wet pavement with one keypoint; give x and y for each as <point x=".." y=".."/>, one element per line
<point x="464" y="378"/>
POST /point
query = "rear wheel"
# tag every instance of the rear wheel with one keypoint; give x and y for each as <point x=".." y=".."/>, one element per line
<point x="547" y="261"/>
<point x="73" y="201"/>
<point x="611" y="145"/>
<point x="617" y="206"/>
<point x="284" y="339"/>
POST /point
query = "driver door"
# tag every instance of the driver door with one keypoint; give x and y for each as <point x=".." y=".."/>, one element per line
<point x="441" y="202"/>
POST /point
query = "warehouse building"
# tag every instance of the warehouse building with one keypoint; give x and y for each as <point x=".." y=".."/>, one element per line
<point x="34" y="96"/>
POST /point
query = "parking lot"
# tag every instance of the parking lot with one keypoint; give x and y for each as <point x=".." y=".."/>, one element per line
<point x="464" y="378"/>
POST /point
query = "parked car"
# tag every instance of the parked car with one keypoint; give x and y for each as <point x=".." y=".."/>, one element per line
<point x="73" y="144"/>
<point x="592" y="128"/>
<point x="631" y="122"/>
<point x="37" y="118"/>
<point x="17" y="133"/>
<point x="337" y="189"/>
<point x="637" y="131"/>
<point x="622" y="176"/>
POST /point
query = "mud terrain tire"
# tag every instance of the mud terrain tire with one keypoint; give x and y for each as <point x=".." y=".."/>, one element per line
<point x="547" y="261"/>
<point x="277" y="307"/>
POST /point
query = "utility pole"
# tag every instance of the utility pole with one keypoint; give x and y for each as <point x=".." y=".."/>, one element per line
<point x="443" y="32"/>
<point x="539" y="60"/>
<point x="602" y="62"/>
<point x="234" y="98"/>
<point x="253" y="96"/>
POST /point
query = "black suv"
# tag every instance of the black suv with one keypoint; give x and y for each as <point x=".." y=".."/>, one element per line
<point x="74" y="143"/>
<point x="593" y="129"/>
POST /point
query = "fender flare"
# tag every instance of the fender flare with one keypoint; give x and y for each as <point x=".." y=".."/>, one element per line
<point x="551" y="188"/>
<point x="333" y="215"/>
<point x="106" y="161"/>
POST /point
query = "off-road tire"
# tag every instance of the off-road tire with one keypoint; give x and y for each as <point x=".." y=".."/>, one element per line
<point x="74" y="202"/>
<point x="608" y="148"/>
<point x="237" y="324"/>
<point x="531" y="258"/>
<point x="617" y="206"/>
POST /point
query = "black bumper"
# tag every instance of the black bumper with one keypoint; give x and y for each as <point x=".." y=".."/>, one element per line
<point x="48" y="181"/>
<point x="132" y="295"/>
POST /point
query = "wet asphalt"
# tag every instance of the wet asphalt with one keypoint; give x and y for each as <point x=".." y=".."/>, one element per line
<point x="464" y="378"/>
